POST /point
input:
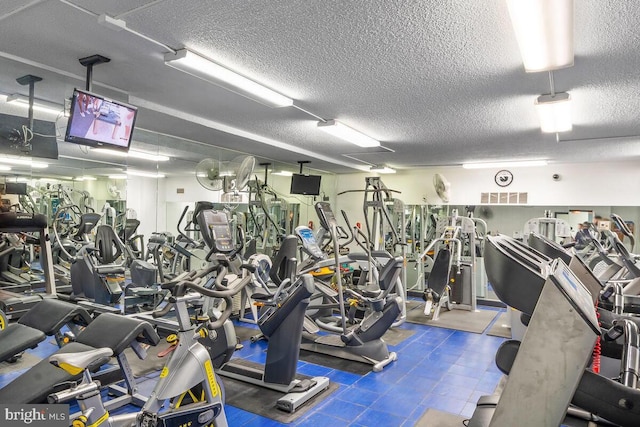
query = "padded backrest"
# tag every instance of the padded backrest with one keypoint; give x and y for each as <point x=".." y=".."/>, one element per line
<point x="108" y="244"/>
<point x="117" y="332"/>
<point x="50" y="315"/>
<point x="284" y="263"/>
<point x="439" y="276"/>
<point x="390" y="273"/>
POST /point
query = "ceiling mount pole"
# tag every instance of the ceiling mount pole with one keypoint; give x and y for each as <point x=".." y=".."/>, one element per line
<point x="31" y="81"/>
<point x="302" y="163"/>
<point x="89" y="62"/>
<point x="266" y="170"/>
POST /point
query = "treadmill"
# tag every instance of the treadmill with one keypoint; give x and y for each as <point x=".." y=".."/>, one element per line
<point x="15" y="304"/>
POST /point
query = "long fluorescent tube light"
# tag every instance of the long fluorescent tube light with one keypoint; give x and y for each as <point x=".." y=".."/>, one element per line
<point x="133" y="154"/>
<point x="544" y="31"/>
<point x="85" y="178"/>
<point x="203" y="68"/>
<point x="344" y="132"/>
<point x="282" y="173"/>
<point x="5" y="168"/>
<point x="38" y="105"/>
<point x="23" y="162"/>
<point x="120" y="176"/>
<point x="515" y="164"/>
<point x="382" y="169"/>
<point x="554" y="112"/>
<point x="146" y="174"/>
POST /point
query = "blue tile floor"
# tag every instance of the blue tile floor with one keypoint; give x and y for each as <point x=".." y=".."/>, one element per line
<point x="436" y="368"/>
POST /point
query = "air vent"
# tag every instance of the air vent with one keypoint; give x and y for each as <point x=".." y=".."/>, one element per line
<point x="504" y="198"/>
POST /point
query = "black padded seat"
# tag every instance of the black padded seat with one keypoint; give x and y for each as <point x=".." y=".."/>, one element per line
<point x="50" y="315"/>
<point x="506" y="355"/>
<point x="107" y="330"/>
<point x="45" y="318"/>
<point x="40" y="380"/>
<point x="16" y="338"/>
<point x="488" y="400"/>
<point x="110" y="269"/>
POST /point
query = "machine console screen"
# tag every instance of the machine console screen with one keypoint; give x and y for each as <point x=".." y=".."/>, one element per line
<point x="309" y="241"/>
<point x="326" y="214"/>
<point x="576" y="293"/>
<point x="218" y="225"/>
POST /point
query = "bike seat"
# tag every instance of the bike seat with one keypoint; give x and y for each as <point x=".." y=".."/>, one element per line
<point x="74" y="363"/>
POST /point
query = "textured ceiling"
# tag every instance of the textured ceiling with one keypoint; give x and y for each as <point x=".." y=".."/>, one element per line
<point x="438" y="82"/>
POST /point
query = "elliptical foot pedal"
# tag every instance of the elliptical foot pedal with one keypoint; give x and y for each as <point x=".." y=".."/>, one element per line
<point x="292" y="401"/>
<point x="303" y="385"/>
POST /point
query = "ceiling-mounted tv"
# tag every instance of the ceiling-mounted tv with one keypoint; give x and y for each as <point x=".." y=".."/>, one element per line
<point x="100" y="122"/>
<point x="308" y="185"/>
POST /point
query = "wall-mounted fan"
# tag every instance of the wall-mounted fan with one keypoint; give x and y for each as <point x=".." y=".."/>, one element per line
<point x="114" y="192"/>
<point x="442" y="187"/>
<point x="241" y="169"/>
<point x="208" y="174"/>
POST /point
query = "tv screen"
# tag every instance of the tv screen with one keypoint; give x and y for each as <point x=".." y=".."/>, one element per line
<point x="308" y="185"/>
<point x="100" y="122"/>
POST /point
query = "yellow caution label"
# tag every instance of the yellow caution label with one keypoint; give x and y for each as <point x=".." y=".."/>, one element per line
<point x="164" y="372"/>
<point x="211" y="377"/>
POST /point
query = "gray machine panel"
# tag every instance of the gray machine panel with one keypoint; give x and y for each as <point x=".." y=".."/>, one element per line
<point x="553" y="355"/>
<point x="577" y="294"/>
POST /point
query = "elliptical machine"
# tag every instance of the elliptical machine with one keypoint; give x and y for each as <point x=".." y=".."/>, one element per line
<point x="362" y="342"/>
<point x="280" y="318"/>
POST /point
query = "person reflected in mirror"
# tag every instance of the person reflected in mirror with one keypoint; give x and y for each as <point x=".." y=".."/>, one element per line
<point x="583" y="235"/>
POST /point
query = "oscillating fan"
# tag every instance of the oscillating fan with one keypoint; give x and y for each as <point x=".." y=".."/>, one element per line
<point x="442" y="187"/>
<point x="114" y="192"/>
<point x="241" y="168"/>
<point x="208" y="174"/>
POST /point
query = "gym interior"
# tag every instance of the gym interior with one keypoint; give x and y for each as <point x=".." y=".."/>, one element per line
<point x="306" y="213"/>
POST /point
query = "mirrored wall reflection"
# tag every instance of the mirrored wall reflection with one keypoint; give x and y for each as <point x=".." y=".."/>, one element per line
<point x="424" y="224"/>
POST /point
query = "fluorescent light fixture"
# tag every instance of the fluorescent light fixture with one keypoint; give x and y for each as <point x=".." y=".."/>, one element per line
<point x="56" y="179"/>
<point x="38" y="105"/>
<point x="203" y="68"/>
<point x="554" y="112"/>
<point x="544" y="30"/>
<point x="133" y="154"/>
<point x="282" y="173"/>
<point x="85" y="178"/>
<point x="5" y="168"/>
<point x="119" y="176"/>
<point x="344" y="132"/>
<point x="514" y="164"/>
<point x="146" y="174"/>
<point x="382" y="169"/>
<point x="23" y="162"/>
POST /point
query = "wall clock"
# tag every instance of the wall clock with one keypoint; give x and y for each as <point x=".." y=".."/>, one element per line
<point x="503" y="178"/>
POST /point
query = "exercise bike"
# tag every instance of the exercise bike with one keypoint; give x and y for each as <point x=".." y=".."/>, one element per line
<point x="187" y="381"/>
